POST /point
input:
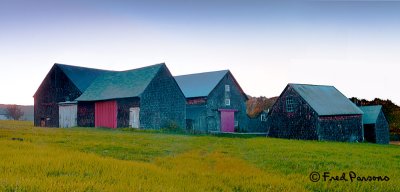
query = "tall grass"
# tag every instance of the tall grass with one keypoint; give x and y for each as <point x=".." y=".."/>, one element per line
<point x="91" y="159"/>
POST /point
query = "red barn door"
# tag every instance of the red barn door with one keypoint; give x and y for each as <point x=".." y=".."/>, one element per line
<point x="106" y="114"/>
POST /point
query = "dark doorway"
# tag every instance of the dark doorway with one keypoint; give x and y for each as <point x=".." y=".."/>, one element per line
<point x="369" y="133"/>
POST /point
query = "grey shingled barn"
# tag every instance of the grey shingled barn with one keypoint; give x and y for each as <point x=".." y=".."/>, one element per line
<point x="147" y="97"/>
<point x="315" y="112"/>
<point x="376" y="127"/>
<point x="62" y="84"/>
<point x="215" y="102"/>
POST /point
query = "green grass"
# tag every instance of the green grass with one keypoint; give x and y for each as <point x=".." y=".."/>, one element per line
<point x="92" y="159"/>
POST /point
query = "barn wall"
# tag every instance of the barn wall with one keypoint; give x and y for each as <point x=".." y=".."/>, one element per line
<point x="255" y="124"/>
<point x="196" y="117"/>
<point x="299" y="124"/>
<point x="105" y="114"/>
<point x="68" y="115"/>
<point x="123" y="110"/>
<point x="216" y="100"/>
<point x="162" y="104"/>
<point x="382" y="129"/>
<point x="55" y="88"/>
<point x="340" y="128"/>
<point x="85" y="114"/>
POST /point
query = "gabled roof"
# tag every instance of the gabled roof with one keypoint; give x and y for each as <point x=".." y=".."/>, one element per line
<point x="199" y="84"/>
<point x="371" y="113"/>
<point x="82" y="77"/>
<point x="120" y="84"/>
<point x="326" y="100"/>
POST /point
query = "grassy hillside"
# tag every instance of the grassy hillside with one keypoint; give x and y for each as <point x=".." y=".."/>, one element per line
<point x="91" y="159"/>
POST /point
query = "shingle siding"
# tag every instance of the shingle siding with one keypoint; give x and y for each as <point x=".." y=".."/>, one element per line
<point x="382" y="129"/>
<point x="162" y="103"/>
<point x="55" y="88"/>
<point x="340" y="128"/>
<point x="299" y="124"/>
<point x="256" y="125"/>
<point x="85" y="114"/>
<point x="123" y="106"/>
<point x="205" y="117"/>
<point x="301" y="121"/>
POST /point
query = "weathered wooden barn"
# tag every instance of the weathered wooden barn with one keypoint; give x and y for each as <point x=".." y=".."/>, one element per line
<point x="315" y="112"/>
<point x="147" y="97"/>
<point x="376" y="127"/>
<point x="215" y="102"/>
<point x="258" y="124"/>
<point x="63" y="83"/>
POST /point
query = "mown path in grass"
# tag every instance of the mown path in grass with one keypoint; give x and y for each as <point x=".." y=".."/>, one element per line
<point x="90" y="159"/>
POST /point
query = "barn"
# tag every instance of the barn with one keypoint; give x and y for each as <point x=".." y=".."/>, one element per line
<point x="147" y="97"/>
<point x="63" y="83"/>
<point x="314" y="112"/>
<point x="215" y="102"/>
<point x="258" y="124"/>
<point x="376" y="127"/>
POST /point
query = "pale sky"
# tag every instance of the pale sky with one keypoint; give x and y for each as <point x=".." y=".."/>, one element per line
<point x="352" y="45"/>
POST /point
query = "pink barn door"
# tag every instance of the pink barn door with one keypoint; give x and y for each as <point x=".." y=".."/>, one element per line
<point x="106" y="114"/>
<point x="227" y="120"/>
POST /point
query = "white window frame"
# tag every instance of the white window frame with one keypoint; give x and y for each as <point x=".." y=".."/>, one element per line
<point x="227" y="88"/>
<point x="289" y="105"/>
<point x="263" y="117"/>
<point x="227" y="102"/>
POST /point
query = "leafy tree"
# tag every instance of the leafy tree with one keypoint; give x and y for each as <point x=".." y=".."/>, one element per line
<point x="14" y="112"/>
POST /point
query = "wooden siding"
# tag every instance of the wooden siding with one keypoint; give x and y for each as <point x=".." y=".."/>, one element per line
<point x="256" y="124"/>
<point x="340" y="128"/>
<point x="106" y="114"/>
<point x="123" y="110"/>
<point x="68" y="115"/>
<point x="382" y="129"/>
<point x="86" y="114"/>
<point x="302" y="122"/>
<point x="162" y="104"/>
<point x="55" y="88"/>
<point x="205" y="117"/>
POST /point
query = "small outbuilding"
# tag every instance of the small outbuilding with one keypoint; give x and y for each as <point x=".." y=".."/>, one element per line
<point x="315" y="112"/>
<point x="147" y="97"/>
<point x="258" y="124"/>
<point x="215" y="102"/>
<point x="376" y="127"/>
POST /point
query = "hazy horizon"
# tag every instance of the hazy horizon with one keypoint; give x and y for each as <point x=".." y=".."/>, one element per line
<point x="352" y="45"/>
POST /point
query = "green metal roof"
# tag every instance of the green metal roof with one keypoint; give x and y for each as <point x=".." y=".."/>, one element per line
<point x="199" y="84"/>
<point x="326" y="100"/>
<point x="82" y="77"/>
<point x="371" y="113"/>
<point x="120" y="84"/>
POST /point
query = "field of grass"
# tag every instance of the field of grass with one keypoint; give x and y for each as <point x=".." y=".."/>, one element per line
<point x="92" y="159"/>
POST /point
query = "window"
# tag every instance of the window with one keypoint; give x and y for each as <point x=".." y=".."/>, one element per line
<point x="227" y="88"/>
<point x="263" y="117"/>
<point x="227" y="102"/>
<point x="236" y="123"/>
<point x="289" y="104"/>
